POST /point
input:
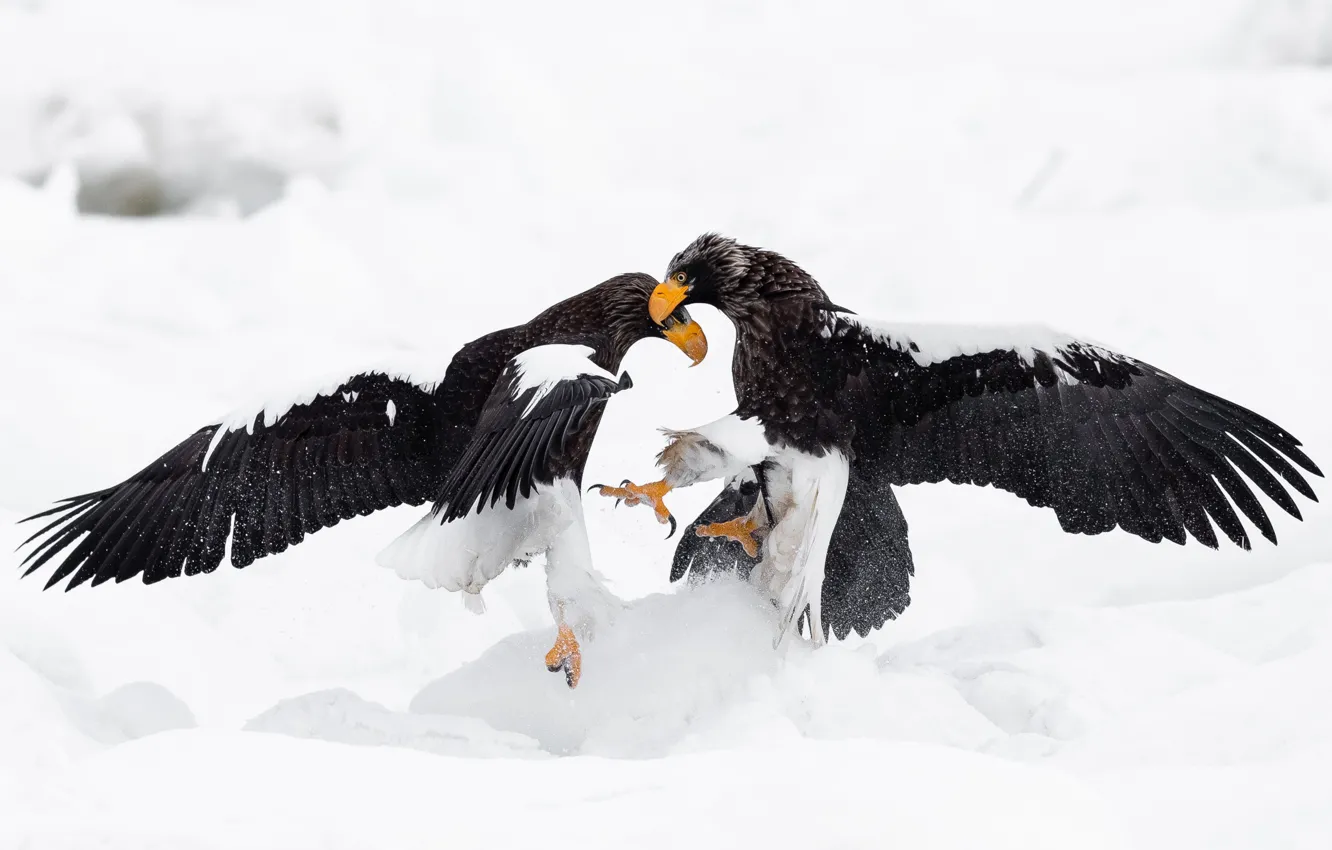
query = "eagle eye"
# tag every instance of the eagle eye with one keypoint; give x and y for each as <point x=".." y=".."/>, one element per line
<point x="681" y="277"/>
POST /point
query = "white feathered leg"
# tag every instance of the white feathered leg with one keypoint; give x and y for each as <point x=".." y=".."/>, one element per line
<point x="798" y="545"/>
<point x="473" y="602"/>
<point x="579" y="599"/>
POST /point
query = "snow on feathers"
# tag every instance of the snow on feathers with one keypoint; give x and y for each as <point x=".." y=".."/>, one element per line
<point x="930" y="343"/>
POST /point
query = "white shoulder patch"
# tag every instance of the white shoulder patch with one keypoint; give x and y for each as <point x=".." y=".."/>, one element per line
<point x="544" y="366"/>
<point x="935" y="343"/>
<point x="273" y="403"/>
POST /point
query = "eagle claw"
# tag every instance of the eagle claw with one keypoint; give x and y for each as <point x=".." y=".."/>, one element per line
<point x="741" y="530"/>
<point x="567" y="656"/>
<point x="635" y="494"/>
<point x="570" y="676"/>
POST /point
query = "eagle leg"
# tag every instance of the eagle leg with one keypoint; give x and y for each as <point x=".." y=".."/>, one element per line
<point x="565" y="655"/>
<point x="741" y="530"/>
<point x="648" y="494"/>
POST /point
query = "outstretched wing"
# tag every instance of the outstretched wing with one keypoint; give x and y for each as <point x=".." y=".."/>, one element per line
<point x="1104" y="439"/>
<point x="374" y="442"/>
<point x="536" y="426"/>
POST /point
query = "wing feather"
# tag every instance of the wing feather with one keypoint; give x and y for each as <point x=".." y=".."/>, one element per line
<point x="701" y="557"/>
<point x="529" y="432"/>
<point x="1103" y="439"/>
<point x="267" y="487"/>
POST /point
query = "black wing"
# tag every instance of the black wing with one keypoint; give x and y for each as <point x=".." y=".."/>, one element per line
<point x="868" y="570"/>
<point x="1105" y="440"/>
<point x="375" y="442"/>
<point x="518" y="444"/>
<point x="700" y="557"/>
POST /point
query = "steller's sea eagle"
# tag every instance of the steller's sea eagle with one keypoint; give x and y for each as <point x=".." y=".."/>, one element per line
<point x="833" y="410"/>
<point x="498" y="442"/>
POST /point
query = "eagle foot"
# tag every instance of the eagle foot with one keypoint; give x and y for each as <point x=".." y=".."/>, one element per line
<point x="638" y="494"/>
<point x="741" y="530"/>
<point x="565" y="655"/>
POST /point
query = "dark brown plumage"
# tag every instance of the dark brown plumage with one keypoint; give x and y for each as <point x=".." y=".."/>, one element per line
<point x="1103" y="439"/>
<point x="341" y="455"/>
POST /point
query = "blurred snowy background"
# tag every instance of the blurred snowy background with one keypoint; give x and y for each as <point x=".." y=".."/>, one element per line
<point x="198" y="198"/>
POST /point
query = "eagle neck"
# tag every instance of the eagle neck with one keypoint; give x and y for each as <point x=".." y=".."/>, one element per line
<point x="585" y="321"/>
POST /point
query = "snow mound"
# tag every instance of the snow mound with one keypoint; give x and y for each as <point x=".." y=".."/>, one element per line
<point x="147" y="149"/>
<point x="145" y="708"/>
<point x="695" y="670"/>
<point x="342" y="716"/>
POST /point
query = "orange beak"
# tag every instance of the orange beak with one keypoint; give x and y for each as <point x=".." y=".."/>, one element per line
<point x="689" y="338"/>
<point x="665" y="298"/>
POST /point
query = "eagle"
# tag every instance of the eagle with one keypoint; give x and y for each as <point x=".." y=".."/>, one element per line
<point x="834" y="410"/>
<point x="499" y="442"/>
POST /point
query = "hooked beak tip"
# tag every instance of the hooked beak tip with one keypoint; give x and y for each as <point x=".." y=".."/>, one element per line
<point x="664" y="299"/>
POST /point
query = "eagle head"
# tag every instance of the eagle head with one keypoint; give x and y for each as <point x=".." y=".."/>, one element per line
<point x="709" y="271"/>
<point x="622" y="299"/>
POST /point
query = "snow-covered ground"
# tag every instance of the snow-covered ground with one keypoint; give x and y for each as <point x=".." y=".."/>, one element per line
<point x="353" y="180"/>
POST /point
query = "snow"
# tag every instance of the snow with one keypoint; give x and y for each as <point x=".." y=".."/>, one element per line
<point x="505" y="803"/>
<point x="340" y="715"/>
<point x="544" y="366"/>
<point x="381" y="182"/>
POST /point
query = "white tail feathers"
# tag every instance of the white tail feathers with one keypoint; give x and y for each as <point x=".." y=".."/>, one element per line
<point x="473" y="602"/>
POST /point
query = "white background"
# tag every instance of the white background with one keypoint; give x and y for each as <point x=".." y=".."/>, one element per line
<point x="350" y="180"/>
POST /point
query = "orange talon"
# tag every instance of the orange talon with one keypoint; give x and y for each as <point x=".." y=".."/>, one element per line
<point x="649" y="494"/>
<point x="740" y="529"/>
<point x="565" y="655"/>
